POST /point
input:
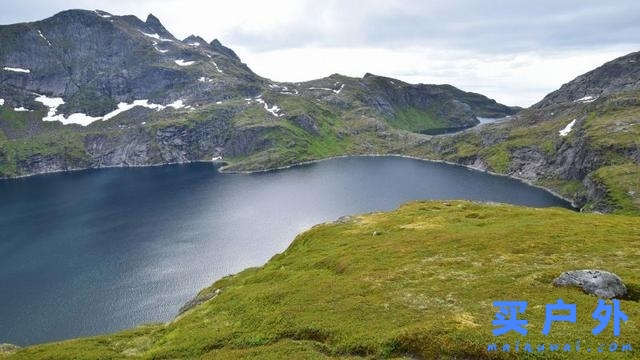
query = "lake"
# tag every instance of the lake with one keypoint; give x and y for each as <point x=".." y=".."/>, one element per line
<point x="96" y="251"/>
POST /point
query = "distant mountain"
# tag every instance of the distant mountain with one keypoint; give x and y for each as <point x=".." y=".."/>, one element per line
<point x="86" y="89"/>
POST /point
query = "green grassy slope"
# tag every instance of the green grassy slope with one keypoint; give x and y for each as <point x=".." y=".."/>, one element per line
<point x="417" y="282"/>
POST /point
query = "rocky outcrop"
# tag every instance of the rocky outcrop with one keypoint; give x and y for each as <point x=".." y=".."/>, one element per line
<point x="454" y="107"/>
<point x="306" y="122"/>
<point x="621" y="74"/>
<point x="601" y="283"/>
<point x="8" y="348"/>
<point x="199" y="299"/>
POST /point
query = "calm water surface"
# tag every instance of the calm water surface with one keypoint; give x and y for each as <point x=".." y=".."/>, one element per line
<point x="96" y="251"/>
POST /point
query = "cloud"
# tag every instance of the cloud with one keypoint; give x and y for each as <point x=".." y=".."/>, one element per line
<point x="494" y="27"/>
<point x="513" y="51"/>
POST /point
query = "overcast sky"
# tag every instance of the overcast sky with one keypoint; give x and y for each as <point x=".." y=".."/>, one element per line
<point x="512" y="51"/>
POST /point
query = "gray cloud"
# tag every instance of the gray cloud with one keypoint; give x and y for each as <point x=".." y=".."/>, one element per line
<point x="486" y="26"/>
<point x="514" y="51"/>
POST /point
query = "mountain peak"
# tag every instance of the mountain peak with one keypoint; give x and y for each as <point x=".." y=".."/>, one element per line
<point x="217" y="46"/>
<point x="154" y="24"/>
<point x="152" y="20"/>
<point x="194" y="39"/>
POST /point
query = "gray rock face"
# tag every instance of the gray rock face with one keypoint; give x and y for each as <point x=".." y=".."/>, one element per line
<point x="601" y="283"/>
<point x="617" y="75"/>
<point x="306" y="122"/>
<point x="94" y="60"/>
<point x="458" y="108"/>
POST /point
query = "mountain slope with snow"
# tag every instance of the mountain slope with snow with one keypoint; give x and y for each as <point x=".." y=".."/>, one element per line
<point x="86" y="89"/>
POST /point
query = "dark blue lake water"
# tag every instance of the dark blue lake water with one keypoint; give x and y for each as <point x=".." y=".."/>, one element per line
<point x="95" y="251"/>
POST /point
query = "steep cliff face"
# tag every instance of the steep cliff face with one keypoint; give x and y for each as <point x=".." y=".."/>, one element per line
<point x="91" y="89"/>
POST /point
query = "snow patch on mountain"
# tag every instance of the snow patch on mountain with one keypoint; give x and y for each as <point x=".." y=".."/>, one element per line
<point x="155" y="46"/>
<point x="182" y="62"/>
<point x="274" y="110"/>
<point x="567" y="129"/>
<point x="43" y="37"/>
<point x="82" y="119"/>
<point x="154" y="36"/>
<point x="102" y="14"/>
<point x="217" y="68"/>
<point x="328" y="89"/>
<point x="53" y="103"/>
<point x="586" y="99"/>
<point x="122" y="107"/>
<point x="20" y="70"/>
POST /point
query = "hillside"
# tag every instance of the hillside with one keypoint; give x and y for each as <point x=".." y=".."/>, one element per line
<point x="582" y="141"/>
<point x="88" y="89"/>
<point x="417" y="282"/>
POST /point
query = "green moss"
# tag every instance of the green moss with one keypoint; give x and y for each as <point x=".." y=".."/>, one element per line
<point x="466" y="149"/>
<point x="416" y="120"/>
<point x="570" y="188"/>
<point x="615" y="126"/>
<point x="498" y="158"/>
<point x="422" y="288"/>
<point x="67" y="146"/>
<point x="14" y="120"/>
<point x="623" y="186"/>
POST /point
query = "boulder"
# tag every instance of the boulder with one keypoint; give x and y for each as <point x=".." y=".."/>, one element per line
<point x="601" y="283"/>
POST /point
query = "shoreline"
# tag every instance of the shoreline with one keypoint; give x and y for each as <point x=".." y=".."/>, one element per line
<point x="222" y="169"/>
<point x="308" y="162"/>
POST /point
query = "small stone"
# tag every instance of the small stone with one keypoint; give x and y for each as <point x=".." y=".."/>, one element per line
<point x="376" y="233"/>
<point x="601" y="283"/>
<point x="8" y="348"/>
<point x="344" y="219"/>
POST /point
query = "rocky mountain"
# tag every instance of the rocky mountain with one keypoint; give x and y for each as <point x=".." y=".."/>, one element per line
<point x="86" y="89"/>
<point x="621" y="74"/>
<point x="94" y="60"/>
<point x="582" y="141"/>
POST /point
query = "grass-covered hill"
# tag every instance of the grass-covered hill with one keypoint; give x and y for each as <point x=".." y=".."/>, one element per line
<point x="415" y="283"/>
